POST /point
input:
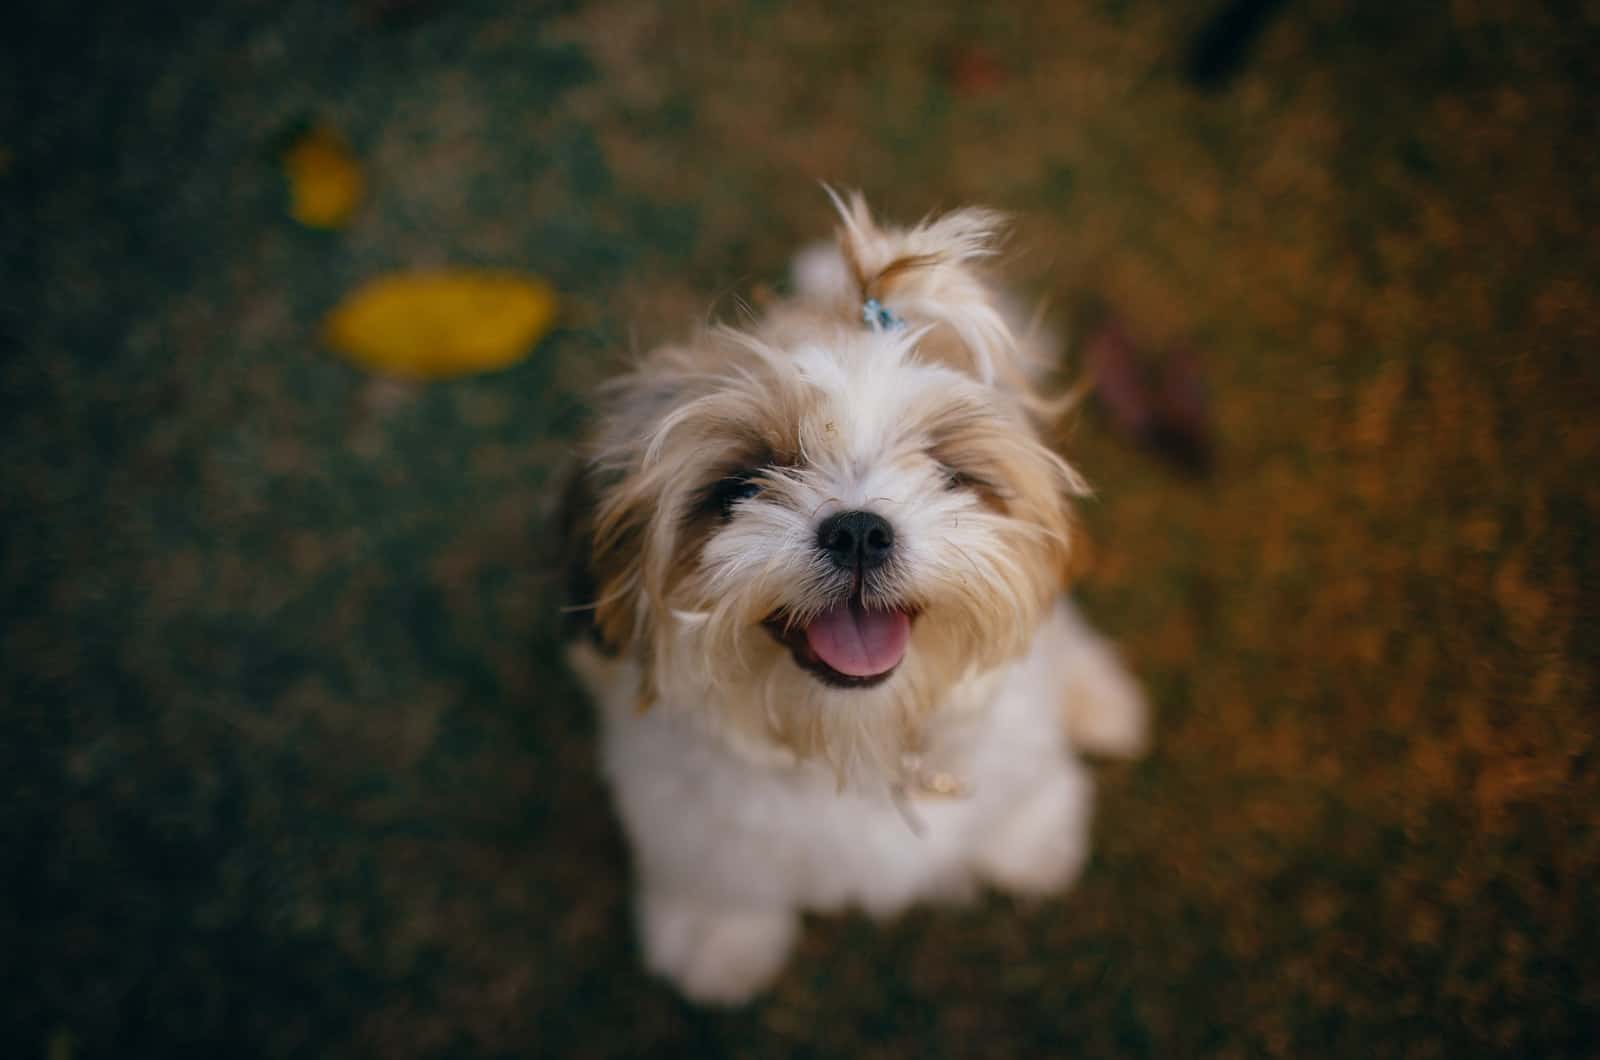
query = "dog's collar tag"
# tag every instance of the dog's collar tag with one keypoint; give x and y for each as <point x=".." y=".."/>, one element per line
<point x="919" y="778"/>
<point x="879" y="317"/>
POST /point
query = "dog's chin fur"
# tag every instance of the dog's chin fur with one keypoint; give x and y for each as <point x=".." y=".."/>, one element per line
<point x="716" y="461"/>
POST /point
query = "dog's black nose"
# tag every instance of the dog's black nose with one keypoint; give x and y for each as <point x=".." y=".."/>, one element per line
<point x="856" y="540"/>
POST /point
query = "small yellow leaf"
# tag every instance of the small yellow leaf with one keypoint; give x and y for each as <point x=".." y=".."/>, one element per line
<point x="434" y="325"/>
<point x="325" y="180"/>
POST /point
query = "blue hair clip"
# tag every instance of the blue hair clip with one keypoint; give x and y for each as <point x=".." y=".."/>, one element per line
<point x="879" y="317"/>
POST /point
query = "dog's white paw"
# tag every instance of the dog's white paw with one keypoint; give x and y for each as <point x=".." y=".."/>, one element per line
<point x="715" y="956"/>
<point x="1041" y="847"/>
<point x="1104" y="707"/>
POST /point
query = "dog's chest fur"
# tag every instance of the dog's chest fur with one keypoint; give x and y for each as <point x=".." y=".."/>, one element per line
<point x="741" y="822"/>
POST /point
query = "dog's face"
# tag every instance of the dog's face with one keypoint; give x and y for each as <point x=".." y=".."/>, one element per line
<point x="817" y="542"/>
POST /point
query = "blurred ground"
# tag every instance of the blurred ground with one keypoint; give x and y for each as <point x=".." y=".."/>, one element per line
<point x="289" y="764"/>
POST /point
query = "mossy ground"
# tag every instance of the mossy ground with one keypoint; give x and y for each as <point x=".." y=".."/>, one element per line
<point x="290" y="763"/>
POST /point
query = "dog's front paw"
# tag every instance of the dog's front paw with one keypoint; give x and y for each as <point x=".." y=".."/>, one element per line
<point x="1106" y="712"/>
<point x="715" y="955"/>
<point x="1041" y="845"/>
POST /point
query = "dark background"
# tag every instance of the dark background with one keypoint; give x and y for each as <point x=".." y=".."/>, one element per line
<point x="289" y="765"/>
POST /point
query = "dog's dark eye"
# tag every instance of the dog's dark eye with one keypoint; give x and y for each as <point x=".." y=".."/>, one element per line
<point x="956" y="479"/>
<point x="989" y="491"/>
<point x="733" y="489"/>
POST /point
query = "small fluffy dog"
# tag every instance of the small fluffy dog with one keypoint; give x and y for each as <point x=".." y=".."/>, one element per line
<point x="821" y="564"/>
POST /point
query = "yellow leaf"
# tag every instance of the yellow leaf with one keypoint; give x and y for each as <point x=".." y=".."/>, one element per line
<point x="434" y="325"/>
<point x="325" y="180"/>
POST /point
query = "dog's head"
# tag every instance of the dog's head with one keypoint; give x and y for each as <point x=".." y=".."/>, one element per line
<point x="814" y="529"/>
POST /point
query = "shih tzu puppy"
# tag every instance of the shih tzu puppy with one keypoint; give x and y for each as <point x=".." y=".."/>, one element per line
<point x="820" y="561"/>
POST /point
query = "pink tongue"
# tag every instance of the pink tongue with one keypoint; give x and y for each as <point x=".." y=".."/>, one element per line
<point x="859" y="643"/>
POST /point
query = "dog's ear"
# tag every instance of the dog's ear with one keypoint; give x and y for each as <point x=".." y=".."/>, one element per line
<point x="1013" y="473"/>
<point x="1066" y="542"/>
<point x="602" y="556"/>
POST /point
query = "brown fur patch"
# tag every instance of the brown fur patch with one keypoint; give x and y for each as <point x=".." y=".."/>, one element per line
<point x="1011" y="475"/>
<point x="580" y="585"/>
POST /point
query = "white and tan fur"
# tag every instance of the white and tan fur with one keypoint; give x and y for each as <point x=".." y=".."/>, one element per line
<point x="752" y="790"/>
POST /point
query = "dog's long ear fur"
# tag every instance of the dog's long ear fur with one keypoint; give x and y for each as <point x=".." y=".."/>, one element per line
<point x="603" y="525"/>
<point x="608" y="508"/>
<point x="600" y="563"/>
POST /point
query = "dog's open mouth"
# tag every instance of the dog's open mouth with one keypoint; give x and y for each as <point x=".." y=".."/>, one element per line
<point x="849" y="645"/>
